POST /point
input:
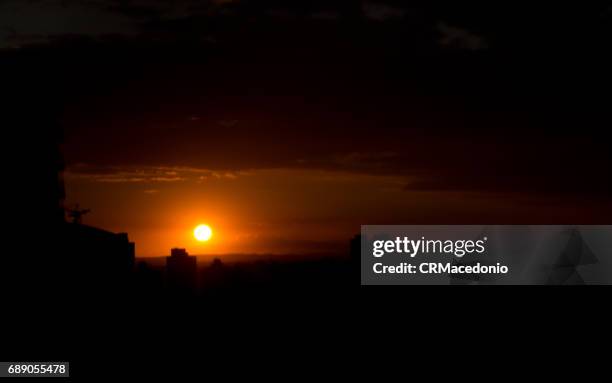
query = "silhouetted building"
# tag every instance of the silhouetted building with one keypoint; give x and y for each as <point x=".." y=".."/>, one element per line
<point x="181" y="270"/>
<point x="148" y="281"/>
<point x="98" y="259"/>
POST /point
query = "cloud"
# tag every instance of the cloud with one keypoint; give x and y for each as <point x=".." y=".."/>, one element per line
<point x="43" y="21"/>
<point x="460" y="38"/>
<point x="306" y="99"/>
<point x="145" y="174"/>
<point x="366" y="160"/>
<point x="379" y="11"/>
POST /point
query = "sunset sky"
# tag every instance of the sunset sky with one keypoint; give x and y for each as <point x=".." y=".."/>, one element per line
<point x="286" y="127"/>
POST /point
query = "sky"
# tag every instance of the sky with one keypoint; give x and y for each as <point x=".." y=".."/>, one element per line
<point x="287" y="126"/>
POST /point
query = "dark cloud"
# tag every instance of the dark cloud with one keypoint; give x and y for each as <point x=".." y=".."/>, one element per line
<point x="243" y="85"/>
<point x="380" y="11"/>
<point x="459" y="38"/>
<point x="145" y="174"/>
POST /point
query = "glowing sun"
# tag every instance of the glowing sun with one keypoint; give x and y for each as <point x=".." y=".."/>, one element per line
<point x="202" y="233"/>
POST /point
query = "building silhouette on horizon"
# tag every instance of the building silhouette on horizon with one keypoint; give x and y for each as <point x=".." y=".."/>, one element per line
<point x="181" y="272"/>
<point x="99" y="258"/>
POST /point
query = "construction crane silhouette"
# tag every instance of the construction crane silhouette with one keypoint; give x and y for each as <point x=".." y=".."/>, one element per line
<point x="77" y="214"/>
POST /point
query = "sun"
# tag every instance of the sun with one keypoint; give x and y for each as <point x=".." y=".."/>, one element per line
<point x="202" y="233"/>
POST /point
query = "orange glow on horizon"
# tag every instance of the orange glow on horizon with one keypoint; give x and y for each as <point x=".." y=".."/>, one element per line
<point x="276" y="211"/>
